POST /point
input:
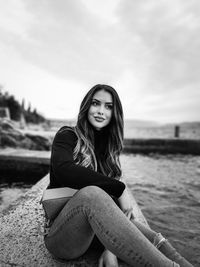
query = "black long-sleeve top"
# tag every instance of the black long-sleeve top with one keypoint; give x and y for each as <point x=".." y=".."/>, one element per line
<point x="64" y="171"/>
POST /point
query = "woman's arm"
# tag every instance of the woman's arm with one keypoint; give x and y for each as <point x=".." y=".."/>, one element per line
<point x="130" y="207"/>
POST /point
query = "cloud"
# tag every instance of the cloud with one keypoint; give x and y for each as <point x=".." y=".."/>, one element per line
<point x="149" y="49"/>
<point x="53" y="97"/>
<point x="14" y="18"/>
<point x="104" y="9"/>
<point x="157" y="38"/>
<point x="66" y="39"/>
<point x="168" y="30"/>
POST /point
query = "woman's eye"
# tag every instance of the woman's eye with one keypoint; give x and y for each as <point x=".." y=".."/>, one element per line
<point x="109" y="106"/>
<point x="94" y="103"/>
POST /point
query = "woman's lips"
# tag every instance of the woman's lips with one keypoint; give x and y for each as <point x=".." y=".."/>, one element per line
<point x="99" y="119"/>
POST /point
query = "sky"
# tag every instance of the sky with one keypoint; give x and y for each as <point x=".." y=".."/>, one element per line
<point x="53" y="52"/>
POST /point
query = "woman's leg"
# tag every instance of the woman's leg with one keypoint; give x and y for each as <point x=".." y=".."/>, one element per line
<point x="156" y="238"/>
<point x="162" y="244"/>
<point x="92" y="211"/>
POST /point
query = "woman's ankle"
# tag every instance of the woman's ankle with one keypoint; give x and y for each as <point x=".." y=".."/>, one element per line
<point x="169" y="251"/>
<point x="158" y="240"/>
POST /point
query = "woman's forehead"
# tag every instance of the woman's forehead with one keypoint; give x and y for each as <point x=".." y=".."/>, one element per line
<point x="103" y="96"/>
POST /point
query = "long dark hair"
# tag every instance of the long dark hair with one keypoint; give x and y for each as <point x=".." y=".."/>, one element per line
<point x="84" y="150"/>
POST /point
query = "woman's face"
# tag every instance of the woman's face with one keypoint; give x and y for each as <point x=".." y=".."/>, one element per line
<point x="100" y="111"/>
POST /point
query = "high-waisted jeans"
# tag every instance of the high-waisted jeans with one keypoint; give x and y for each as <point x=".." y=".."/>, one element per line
<point x="91" y="211"/>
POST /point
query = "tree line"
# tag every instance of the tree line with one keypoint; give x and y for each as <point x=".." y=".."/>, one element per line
<point x="17" y="110"/>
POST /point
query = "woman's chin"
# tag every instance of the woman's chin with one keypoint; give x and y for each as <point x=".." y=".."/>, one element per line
<point x="97" y="125"/>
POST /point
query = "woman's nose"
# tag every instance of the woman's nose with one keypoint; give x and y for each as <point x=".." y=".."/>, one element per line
<point x="101" y="109"/>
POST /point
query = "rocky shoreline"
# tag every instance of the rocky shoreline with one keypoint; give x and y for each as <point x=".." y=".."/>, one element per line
<point x="13" y="136"/>
<point x="40" y="139"/>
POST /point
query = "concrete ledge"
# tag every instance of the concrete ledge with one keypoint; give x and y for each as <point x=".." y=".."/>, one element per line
<point x="29" y="164"/>
<point x="21" y="244"/>
<point x="33" y="156"/>
<point x="163" y="146"/>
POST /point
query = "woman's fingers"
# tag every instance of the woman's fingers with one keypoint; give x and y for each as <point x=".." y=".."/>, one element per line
<point x="108" y="259"/>
<point x="129" y="213"/>
<point x="100" y="262"/>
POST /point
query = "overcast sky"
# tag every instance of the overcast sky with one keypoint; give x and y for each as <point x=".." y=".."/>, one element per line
<point x="53" y="52"/>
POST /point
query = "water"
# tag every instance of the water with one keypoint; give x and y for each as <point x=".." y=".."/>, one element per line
<point x="11" y="191"/>
<point x="167" y="189"/>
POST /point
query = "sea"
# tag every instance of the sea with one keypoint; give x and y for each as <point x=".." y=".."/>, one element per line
<point x="166" y="187"/>
<point x="10" y="191"/>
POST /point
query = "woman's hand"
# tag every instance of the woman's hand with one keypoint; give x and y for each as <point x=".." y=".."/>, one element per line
<point x="126" y="204"/>
<point x="108" y="259"/>
<point x="130" y="207"/>
<point x="124" y="200"/>
<point x="129" y="214"/>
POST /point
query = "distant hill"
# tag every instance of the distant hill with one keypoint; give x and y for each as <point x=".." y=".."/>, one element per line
<point x="132" y="123"/>
<point x="192" y="124"/>
<point x="141" y="123"/>
<point x="55" y="124"/>
<point x="127" y="122"/>
<point x="146" y="124"/>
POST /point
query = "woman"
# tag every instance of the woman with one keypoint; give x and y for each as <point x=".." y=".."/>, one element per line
<point x="86" y="157"/>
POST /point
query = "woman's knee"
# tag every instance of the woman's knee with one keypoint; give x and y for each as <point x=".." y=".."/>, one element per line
<point x="92" y="193"/>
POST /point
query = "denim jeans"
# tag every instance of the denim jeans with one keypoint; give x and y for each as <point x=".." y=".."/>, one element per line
<point x="91" y="211"/>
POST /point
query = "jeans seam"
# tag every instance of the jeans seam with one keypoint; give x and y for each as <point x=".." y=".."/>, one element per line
<point x="100" y="226"/>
